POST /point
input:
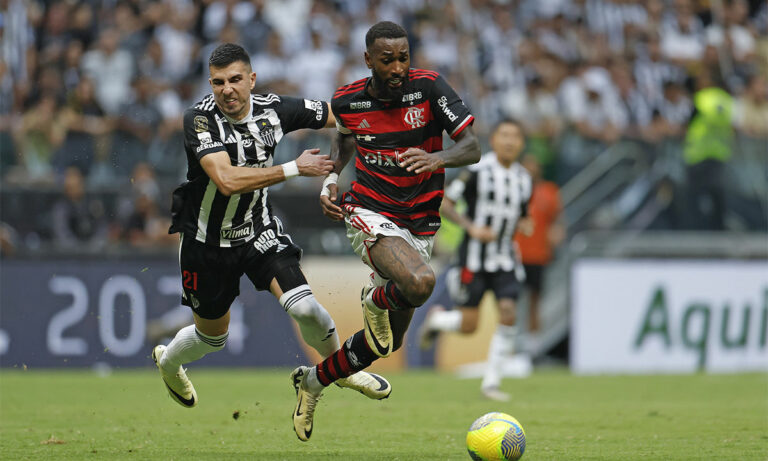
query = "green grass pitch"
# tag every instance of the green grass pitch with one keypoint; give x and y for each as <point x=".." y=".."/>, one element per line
<point x="78" y="415"/>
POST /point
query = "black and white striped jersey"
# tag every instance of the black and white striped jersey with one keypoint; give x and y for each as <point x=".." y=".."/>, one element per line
<point x="496" y="197"/>
<point x="200" y="211"/>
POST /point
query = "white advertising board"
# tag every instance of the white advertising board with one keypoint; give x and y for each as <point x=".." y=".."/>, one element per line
<point x="668" y="316"/>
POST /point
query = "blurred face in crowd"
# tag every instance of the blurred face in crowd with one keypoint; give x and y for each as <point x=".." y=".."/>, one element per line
<point x="232" y="87"/>
<point x="389" y="60"/>
<point x="507" y="141"/>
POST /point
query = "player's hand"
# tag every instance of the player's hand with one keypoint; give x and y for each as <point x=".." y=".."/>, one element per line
<point x="482" y="233"/>
<point x="312" y="164"/>
<point x="525" y="226"/>
<point x="330" y="209"/>
<point x="419" y="161"/>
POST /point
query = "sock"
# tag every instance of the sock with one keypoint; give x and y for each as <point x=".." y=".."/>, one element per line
<point x="189" y="345"/>
<point x="444" y="320"/>
<point x="390" y="297"/>
<point x="316" y="325"/>
<point x="502" y="345"/>
<point x="353" y="356"/>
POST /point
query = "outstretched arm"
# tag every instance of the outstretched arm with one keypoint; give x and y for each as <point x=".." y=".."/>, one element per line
<point x="484" y="234"/>
<point x="231" y="179"/>
<point x="465" y="151"/>
<point x="342" y="150"/>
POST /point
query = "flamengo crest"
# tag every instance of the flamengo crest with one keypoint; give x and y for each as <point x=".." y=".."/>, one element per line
<point x="415" y="117"/>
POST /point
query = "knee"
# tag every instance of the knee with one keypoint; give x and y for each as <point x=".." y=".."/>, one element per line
<point x="420" y="287"/>
<point x="507" y="314"/>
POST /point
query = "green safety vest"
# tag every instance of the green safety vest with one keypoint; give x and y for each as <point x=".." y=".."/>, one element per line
<point x="710" y="133"/>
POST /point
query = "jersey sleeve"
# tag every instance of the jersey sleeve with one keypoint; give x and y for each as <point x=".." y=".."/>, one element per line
<point x="201" y="136"/>
<point x="448" y="108"/>
<point x="336" y="108"/>
<point x="298" y="113"/>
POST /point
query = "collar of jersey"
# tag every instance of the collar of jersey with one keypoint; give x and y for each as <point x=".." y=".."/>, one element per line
<point x="242" y="120"/>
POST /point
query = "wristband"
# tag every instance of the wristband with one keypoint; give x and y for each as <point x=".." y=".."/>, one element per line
<point x="330" y="179"/>
<point x="290" y="169"/>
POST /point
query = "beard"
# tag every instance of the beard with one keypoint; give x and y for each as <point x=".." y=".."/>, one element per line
<point x="385" y="91"/>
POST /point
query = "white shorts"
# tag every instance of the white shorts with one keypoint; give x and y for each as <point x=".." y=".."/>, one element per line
<point x="364" y="227"/>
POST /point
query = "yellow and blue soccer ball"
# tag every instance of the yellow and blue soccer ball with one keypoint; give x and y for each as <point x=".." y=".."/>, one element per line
<point x="496" y="437"/>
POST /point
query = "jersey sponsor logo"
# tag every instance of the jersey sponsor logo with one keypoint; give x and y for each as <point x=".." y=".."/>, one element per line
<point x="231" y="139"/>
<point x="238" y="232"/>
<point x="387" y="225"/>
<point x="208" y="145"/>
<point x="316" y="106"/>
<point x="410" y="97"/>
<point x="200" y="123"/>
<point x="377" y="158"/>
<point x="415" y="117"/>
<point x="267" y="133"/>
<point x="443" y="103"/>
<point x="204" y="137"/>
<point x="265" y="241"/>
<point x="364" y="124"/>
<point x="360" y="105"/>
<point x="367" y="137"/>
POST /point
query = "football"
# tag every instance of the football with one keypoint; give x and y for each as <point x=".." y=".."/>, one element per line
<point x="496" y="437"/>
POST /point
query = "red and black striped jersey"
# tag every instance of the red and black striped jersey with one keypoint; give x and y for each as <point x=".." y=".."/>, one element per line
<point x="385" y="129"/>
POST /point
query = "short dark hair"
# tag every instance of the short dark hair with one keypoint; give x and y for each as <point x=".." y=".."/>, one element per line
<point x="508" y="121"/>
<point x="384" y="29"/>
<point x="228" y="53"/>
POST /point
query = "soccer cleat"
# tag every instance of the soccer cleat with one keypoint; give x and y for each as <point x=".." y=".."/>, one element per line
<point x="428" y="335"/>
<point x="371" y="385"/>
<point x="378" y="332"/>
<point x="179" y="387"/>
<point x="304" y="414"/>
<point x="494" y="393"/>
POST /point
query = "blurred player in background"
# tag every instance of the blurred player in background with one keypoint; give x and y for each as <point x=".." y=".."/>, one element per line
<point x="536" y="250"/>
<point x="394" y="119"/>
<point x="226" y="222"/>
<point x="497" y="191"/>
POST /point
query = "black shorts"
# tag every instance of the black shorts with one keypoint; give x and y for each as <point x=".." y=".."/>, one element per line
<point x="473" y="285"/>
<point x="210" y="275"/>
<point x="533" y="274"/>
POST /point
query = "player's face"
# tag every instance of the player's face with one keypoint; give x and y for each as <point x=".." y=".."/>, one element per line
<point x="507" y="141"/>
<point x="232" y="87"/>
<point x="389" y="60"/>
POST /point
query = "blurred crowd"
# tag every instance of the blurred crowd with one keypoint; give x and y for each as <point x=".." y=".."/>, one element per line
<point x="92" y="92"/>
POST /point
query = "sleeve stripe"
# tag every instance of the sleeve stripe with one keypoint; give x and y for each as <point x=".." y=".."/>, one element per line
<point x="462" y="125"/>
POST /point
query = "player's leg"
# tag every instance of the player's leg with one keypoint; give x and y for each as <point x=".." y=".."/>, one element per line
<point x="209" y="287"/>
<point x="289" y="285"/>
<point x="506" y="288"/>
<point x="464" y="318"/>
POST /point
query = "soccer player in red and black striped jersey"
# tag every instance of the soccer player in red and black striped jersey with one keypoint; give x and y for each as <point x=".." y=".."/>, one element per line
<point x="394" y="121"/>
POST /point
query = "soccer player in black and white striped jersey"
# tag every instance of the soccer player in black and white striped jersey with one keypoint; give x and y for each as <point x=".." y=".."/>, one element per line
<point x="227" y="224"/>
<point x="497" y="191"/>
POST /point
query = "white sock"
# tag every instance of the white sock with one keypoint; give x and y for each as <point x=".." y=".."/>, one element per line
<point x="189" y="345"/>
<point x="445" y="320"/>
<point x="502" y="345"/>
<point x="311" y="382"/>
<point x="316" y="325"/>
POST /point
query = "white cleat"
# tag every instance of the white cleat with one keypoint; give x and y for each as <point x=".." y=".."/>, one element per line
<point x="179" y="387"/>
<point x="304" y="414"/>
<point x="494" y="393"/>
<point x="378" y="332"/>
<point x="371" y="385"/>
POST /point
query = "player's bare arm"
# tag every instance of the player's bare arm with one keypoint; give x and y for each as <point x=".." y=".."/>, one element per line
<point x="465" y="151"/>
<point x="342" y="150"/>
<point x="230" y="179"/>
<point x="484" y="234"/>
